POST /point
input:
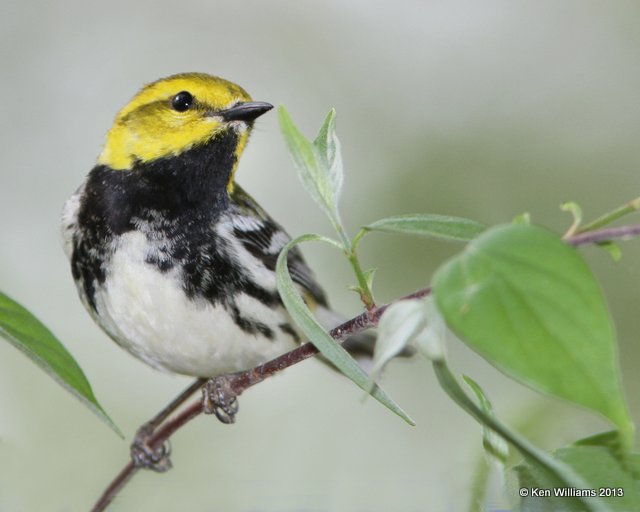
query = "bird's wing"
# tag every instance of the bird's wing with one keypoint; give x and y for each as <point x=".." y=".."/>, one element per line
<point x="264" y="238"/>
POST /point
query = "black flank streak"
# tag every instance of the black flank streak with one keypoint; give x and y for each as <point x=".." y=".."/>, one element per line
<point x="287" y="329"/>
<point x="264" y="296"/>
<point x="249" y="326"/>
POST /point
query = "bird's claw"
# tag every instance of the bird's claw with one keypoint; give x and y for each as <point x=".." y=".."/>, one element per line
<point x="219" y="398"/>
<point x="143" y="456"/>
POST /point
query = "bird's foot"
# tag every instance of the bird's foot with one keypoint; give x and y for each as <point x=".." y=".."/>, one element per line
<point x="220" y="399"/>
<point x="144" y="456"/>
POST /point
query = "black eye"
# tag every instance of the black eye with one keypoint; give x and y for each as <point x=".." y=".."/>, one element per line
<point x="182" y="101"/>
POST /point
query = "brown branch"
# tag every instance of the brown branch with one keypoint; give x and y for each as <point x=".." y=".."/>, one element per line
<point x="239" y="382"/>
<point x="114" y="487"/>
<point x="604" y="235"/>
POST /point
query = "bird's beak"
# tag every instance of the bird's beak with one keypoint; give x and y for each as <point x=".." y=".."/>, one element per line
<point x="246" y="111"/>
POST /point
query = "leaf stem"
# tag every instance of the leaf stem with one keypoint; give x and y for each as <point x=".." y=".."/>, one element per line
<point x="608" y="218"/>
<point x="342" y="233"/>
<point x="363" y="288"/>
<point x="366" y="295"/>
<point x="358" y="237"/>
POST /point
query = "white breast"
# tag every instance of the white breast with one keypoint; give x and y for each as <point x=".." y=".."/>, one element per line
<point x="148" y="313"/>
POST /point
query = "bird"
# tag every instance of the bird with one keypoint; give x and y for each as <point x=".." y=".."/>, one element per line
<point x="170" y="256"/>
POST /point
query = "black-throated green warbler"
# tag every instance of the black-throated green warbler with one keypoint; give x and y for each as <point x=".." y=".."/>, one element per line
<point x="170" y="256"/>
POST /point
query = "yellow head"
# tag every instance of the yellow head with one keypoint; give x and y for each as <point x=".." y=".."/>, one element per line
<point x="175" y="114"/>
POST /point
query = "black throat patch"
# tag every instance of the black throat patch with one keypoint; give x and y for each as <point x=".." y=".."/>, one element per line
<point x="170" y="196"/>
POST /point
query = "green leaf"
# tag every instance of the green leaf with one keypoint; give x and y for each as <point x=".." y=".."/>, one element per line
<point x="429" y="225"/>
<point x="612" y="248"/>
<point x="30" y="336"/>
<point x="494" y="444"/>
<point x="399" y="325"/>
<point x="576" y="212"/>
<point x="328" y="148"/>
<point x="369" y="274"/>
<point x="599" y="469"/>
<point x="609" y="439"/>
<point x="612" y="442"/>
<point x="319" y="164"/>
<point x="528" y="303"/>
<point x="523" y="218"/>
<point x="329" y="348"/>
<point x="548" y="466"/>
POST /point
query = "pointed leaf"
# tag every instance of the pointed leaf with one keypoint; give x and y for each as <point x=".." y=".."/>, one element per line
<point x="494" y="444"/>
<point x="321" y="183"/>
<point x="523" y="218"/>
<point x="612" y="248"/>
<point x="329" y="348"/>
<point x="552" y="469"/>
<point x="429" y="225"/>
<point x="25" y="332"/>
<point x="576" y="212"/>
<point x="369" y="274"/>
<point x="328" y="147"/>
<point x="528" y="303"/>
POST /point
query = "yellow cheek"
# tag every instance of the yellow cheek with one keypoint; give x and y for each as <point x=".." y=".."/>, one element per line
<point x="115" y="153"/>
<point x="126" y="144"/>
<point x="172" y="141"/>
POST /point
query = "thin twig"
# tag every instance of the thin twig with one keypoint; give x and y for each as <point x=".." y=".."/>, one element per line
<point x="157" y="440"/>
<point x="241" y="381"/>
<point x="159" y="418"/>
<point x="115" y="487"/>
<point x="604" y="235"/>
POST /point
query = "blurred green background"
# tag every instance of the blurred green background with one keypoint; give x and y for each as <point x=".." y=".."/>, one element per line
<point x="478" y="109"/>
